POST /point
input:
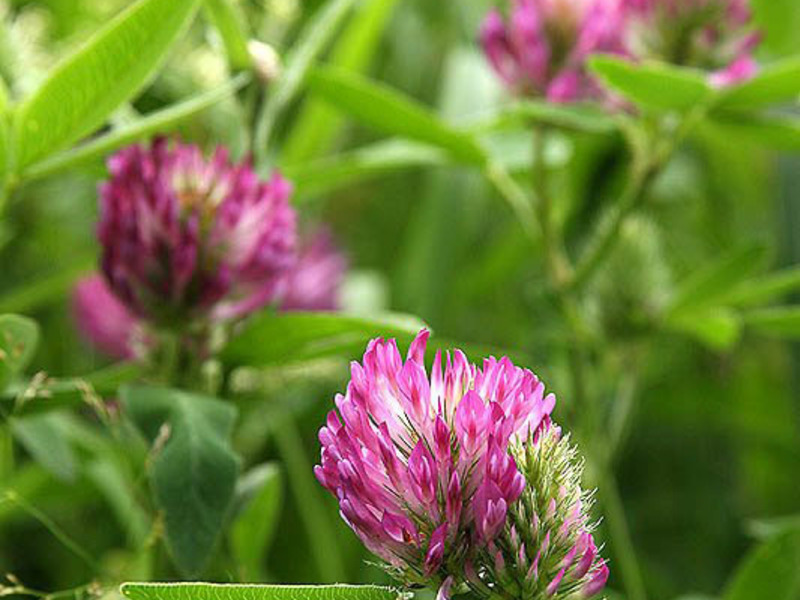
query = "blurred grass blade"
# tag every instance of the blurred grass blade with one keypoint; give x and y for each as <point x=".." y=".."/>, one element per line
<point x="44" y="289"/>
<point x="783" y="321"/>
<point x="160" y="121"/>
<point x="780" y="132"/>
<point x="387" y="110"/>
<point x="227" y="17"/>
<point x="771" y="571"/>
<point x="317" y="124"/>
<point x="764" y="289"/>
<point x="778" y="82"/>
<point x="80" y="93"/>
<point x="276" y="339"/>
<point x="718" y="327"/>
<point x="652" y="84"/>
<point x="324" y="175"/>
<point x="577" y="118"/>
<point x="216" y="591"/>
<point x="310" y="44"/>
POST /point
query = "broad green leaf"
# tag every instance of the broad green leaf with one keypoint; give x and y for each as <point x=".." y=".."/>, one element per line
<point x="19" y="337"/>
<point x="578" y="118"/>
<point x="274" y="339"/>
<point x="43" y="437"/>
<point x="718" y="328"/>
<point x="651" y="84"/>
<point x="783" y="321"/>
<point x="318" y="123"/>
<point x="324" y="175"/>
<point x="778" y="82"/>
<point x="310" y="44"/>
<point x="160" y="121"/>
<point x="763" y="289"/>
<point x="108" y="70"/>
<point x="771" y="571"/>
<point x="215" y="591"/>
<point x="778" y="21"/>
<point x="230" y="24"/>
<point x="391" y="112"/>
<point x="254" y="526"/>
<point x="193" y="470"/>
<point x="711" y="283"/>
<point x="778" y="132"/>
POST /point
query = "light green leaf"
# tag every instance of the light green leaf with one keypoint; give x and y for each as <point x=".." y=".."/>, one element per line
<point x="193" y="471"/>
<point x="718" y="328"/>
<point x="391" y="112"/>
<point x="108" y="70"/>
<point x="317" y="124"/>
<point x="778" y="82"/>
<point x="275" y="339"/>
<point x="653" y="85"/>
<point x="324" y="175"/>
<point x="578" y="118"/>
<point x="160" y="121"/>
<point x="778" y="132"/>
<point x="763" y="289"/>
<point x="310" y="44"/>
<point x="709" y="284"/>
<point x="43" y="437"/>
<point x="230" y="24"/>
<point x="19" y="337"/>
<point x="214" y="591"/>
<point x="779" y="22"/>
<point x="783" y="321"/>
<point x="251" y="533"/>
<point x="771" y="571"/>
<point x="766" y="528"/>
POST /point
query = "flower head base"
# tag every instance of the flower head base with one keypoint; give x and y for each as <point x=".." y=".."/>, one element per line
<point x="185" y="238"/>
<point x="420" y="462"/>
<point x="714" y="35"/>
<point x="540" y="50"/>
<point x="545" y="549"/>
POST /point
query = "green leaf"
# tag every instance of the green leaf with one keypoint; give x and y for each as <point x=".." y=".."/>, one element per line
<point x="19" y="337"/>
<point x="254" y="526"/>
<point x="43" y="437"/>
<point x="215" y="591"/>
<point x="46" y="288"/>
<point x="718" y="328"/>
<point x="652" y="84"/>
<point x="108" y="70"/>
<point x="764" y="529"/>
<point x="709" y="284"/>
<point x="310" y="44"/>
<point x="778" y="132"/>
<point x="160" y="121"/>
<point x="770" y="571"/>
<point x="578" y="118"/>
<point x="324" y="175"/>
<point x="763" y="289"/>
<point x="230" y="24"/>
<point x="193" y="472"/>
<point x="778" y="82"/>
<point x="275" y="339"/>
<point x="387" y="110"/>
<point x="317" y="124"/>
<point x="778" y="21"/>
<point x="108" y="476"/>
<point x="783" y="321"/>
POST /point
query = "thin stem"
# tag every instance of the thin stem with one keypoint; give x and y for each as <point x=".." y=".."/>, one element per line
<point x="515" y="198"/>
<point x="321" y="538"/>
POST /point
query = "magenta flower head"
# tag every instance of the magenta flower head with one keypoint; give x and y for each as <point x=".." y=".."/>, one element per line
<point x="421" y="462"/>
<point x="317" y="277"/>
<point x="714" y="35"/>
<point x="540" y="49"/>
<point x="187" y="239"/>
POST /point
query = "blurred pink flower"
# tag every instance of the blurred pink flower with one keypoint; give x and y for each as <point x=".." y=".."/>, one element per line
<point x="420" y="462"/>
<point x="185" y="238"/>
<point x="315" y="280"/>
<point x="541" y="49"/>
<point x="102" y="319"/>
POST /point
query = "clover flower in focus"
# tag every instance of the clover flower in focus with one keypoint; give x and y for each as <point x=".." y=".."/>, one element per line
<point x="714" y="35"/>
<point x="187" y="239"/>
<point x="541" y="48"/>
<point x="546" y="548"/>
<point x="420" y="462"/>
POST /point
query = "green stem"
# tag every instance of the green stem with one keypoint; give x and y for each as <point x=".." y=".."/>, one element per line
<point x="321" y="538"/>
<point x="515" y="198"/>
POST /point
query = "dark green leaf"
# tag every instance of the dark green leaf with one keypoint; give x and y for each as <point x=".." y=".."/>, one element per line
<point x="193" y="471"/>
<point x="778" y="82"/>
<point x="19" y="337"/>
<point x="254" y="526"/>
<point x="771" y="571"/>
<point x="213" y="591"/>
<point x="653" y="85"/>
<point x="230" y="24"/>
<point x="274" y="339"/>
<point x="391" y="112"/>
<point x="108" y="70"/>
<point x="44" y="439"/>
<point x="781" y="322"/>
